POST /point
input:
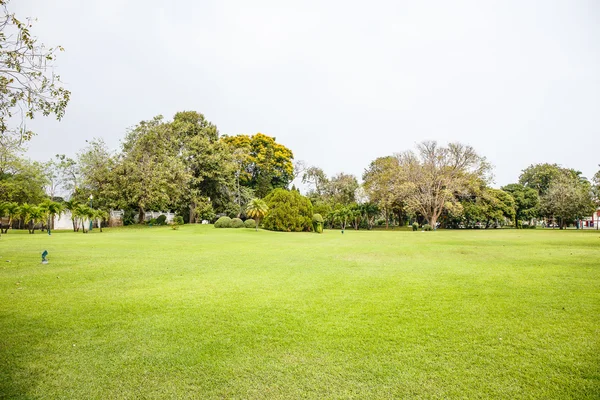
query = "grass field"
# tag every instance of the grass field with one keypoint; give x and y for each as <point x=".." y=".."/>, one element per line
<point x="222" y="313"/>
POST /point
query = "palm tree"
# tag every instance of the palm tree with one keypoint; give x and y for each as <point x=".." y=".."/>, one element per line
<point x="25" y="211"/>
<point x="85" y="214"/>
<point x="72" y="205"/>
<point x="12" y="211"/>
<point x="257" y="209"/>
<point x="52" y="209"/>
<point x="37" y="215"/>
<point x="99" y="216"/>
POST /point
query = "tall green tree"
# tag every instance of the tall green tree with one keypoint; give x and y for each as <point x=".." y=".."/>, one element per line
<point x="382" y="183"/>
<point x="526" y="200"/>
<point x="28" y="82"/>
<point x="209" y="165"/>
<point x="96" y="174"/>
<point x="150" y="172"/>
<point x="541" y="176"/>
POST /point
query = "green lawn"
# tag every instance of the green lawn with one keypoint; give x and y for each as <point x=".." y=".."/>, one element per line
<point x="211" y="313"/>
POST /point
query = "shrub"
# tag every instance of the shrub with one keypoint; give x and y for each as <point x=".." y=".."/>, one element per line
<point x="289" y="211"/>
<point x="161" y="220"/>
<point x="250" y="223"/>
<point x="532" y="226"/>
<point x="129" y="216"/>
<point x="415" y="226"/>
<point x="223" y="222"/>
<point x="237" y="223"/>
<point x="151" y="222"/>
<point x="177" y="221"/>
<point x="426" y="227"/>
<point x="317" y="223"/>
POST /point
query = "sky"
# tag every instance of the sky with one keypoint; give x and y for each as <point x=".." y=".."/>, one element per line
<point x="338" y="82"/>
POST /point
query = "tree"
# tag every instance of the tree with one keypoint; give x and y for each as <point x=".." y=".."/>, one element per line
<point x="370" y="211"/>
<point x="433" y="176"/>
<point x="289" y="211"/>
<point x="68" y="173"/>
<point x="28" y="83"/>
<point x="268" y="164"/>
<point x="10" y="210"/>
<point x="21" y="180"/>
<point x="28" y="214"/>
<point x="209" y="166"/>
<point x="541" y="176"/>
<point x="85" y="214"/>
<point x="51" y="209"/>
<point x="526" y="202"/>
<point x="569" y="199"/>
<point x="257" y="209"/>
<point x="341" y="189"/>
<point x="489" y="206"/>
<point x="596" y="187"/>
<point x="381" y="181"/>
<point x="149" y="172"/>
<point x="72" y="205"/>
<point x="99" y="216"/>
<point x="94" y="171"/>
<point x="316" y="180"/>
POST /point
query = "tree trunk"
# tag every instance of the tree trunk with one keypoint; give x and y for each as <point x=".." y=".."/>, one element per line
<point x="141" y="216"/>
<point x="192" y="213"/>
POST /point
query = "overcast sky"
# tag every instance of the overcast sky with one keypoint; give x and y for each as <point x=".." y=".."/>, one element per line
<point x="338" y="82"/>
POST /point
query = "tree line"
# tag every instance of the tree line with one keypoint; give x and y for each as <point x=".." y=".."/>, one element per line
<point x="187" y="166"/>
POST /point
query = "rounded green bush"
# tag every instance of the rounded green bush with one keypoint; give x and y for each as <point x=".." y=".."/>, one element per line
<point x="415" y="226"/>
<point x="317" y="218"/>
<point x="426" y="227"/>
<point x="289" y="211"/>
<point x="178" y="220"/>
<point x="223" y="222"/>
<point x="237" y="223"/>
<point x="250" y="223"/>
<point x="161" y="220"/>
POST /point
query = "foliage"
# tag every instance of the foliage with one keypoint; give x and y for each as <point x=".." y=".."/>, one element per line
<point x="208" y="163"/>
<point x="257" y="209"/>
<point x="317" y="220"/>
<point x="28" y="82"/>
<point x="569" y="199"/>
<point x="250" y="223"/>
<point x="237" y="223"/>
<point x="382" y="184"/>
<point x="94" y="170"/>
<point x="21" y="180"/>
<point x="289" y="211"/>
<point x="427" y="227"/>
<point x="541" y="176"/>
<point x="263" y="163"/>
<point x="223" y="222"/>
<point x="434" y="176"/>
<point x="161" y="219"/>
<point x="177" y="222"/>
<point x="415" y="226"/>
<point x="149" y="171"/>
<point x="526" y="202"/>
